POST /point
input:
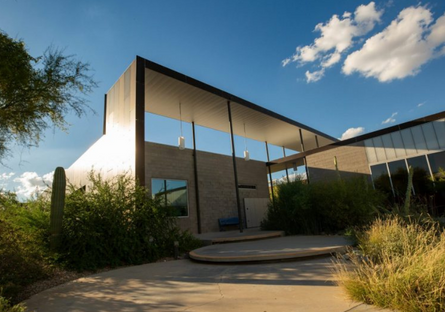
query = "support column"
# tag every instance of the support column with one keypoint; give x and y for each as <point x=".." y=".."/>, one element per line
<point x="316" y="141"/>
<point x="140" y="121"/>
<point x="304" y="158"/>
<point x="195" y="164"/>
<point x="240" y="217"/>
<point x="287" y="173"/>
<point x="270" y="174"/>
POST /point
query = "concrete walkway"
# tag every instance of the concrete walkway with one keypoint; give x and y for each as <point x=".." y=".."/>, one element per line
<point x="184" y="285"/>
<point x="281" y="248"/>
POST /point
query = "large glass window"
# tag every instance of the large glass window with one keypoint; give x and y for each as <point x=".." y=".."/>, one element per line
<point x="421" y="176"/>
<point x="380" y="178"/>
<point x="399" y="177"/>
<point x="172" y="194"/>
<point x="437" y="162"/>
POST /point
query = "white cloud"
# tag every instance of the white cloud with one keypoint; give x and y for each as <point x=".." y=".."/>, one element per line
<point x="4" y="177"/>
<point x="421" y="104"/>
<point x="336" y="36"/>
<point x="352" y="132"/>
<point x="314" y="76"/>
<point x="31" y="183"/>
<point x="400" y="49"/>
<point x="390" y="119"/>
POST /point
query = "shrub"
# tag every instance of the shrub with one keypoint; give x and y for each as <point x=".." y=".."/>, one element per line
<point x="5" y="306"/>
<point x="346" y="203"/>
<point x="328" y="207"/>
<point x="116" y="223"/>
<point x="402" y="266"/>
<point x="22" y="247"/>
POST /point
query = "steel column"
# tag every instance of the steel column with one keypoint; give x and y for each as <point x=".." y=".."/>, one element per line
<point x="195" y="164"/>
<point x="240" y="217"/>
<point x="304" y="158"/>
<point x="287" y="174"/>
<point x="270" y="174"/>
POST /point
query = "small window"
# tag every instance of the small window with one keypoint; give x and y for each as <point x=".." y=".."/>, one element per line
<point x="172" y="194"/>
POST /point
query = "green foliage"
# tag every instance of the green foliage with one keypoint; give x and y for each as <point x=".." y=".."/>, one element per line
<point x="116" y="223"/>
<point x="401" y="266"/>
<point x="57" y="206"/>
<point x="328" y="207"/>
<point x="36" y="92"/>
<point x="5" y="306"/>
<point x="23" y="233"/>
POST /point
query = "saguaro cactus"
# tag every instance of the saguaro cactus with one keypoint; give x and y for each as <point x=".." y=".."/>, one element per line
<point x="57" y="205"/>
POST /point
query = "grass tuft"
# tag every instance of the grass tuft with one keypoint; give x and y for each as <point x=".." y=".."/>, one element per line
<point x="401" y="266"/>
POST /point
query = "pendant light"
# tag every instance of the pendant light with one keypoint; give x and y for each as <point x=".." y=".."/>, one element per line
<point x="181" y="139"/>
<point x="246" y="152"/>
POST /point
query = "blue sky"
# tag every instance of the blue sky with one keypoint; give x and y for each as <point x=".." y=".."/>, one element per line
<point x="366" y="66"/>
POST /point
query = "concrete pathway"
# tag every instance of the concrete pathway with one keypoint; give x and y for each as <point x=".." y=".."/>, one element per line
<point x="184" y="285"/>
<point x="281" y="248"/>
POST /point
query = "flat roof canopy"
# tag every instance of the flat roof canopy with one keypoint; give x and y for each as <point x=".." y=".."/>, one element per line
<point x="207" y="106"/>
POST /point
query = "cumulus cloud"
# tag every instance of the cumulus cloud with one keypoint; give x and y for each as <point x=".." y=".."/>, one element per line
<point x="314" y="76"/>
<point x="31" y="183"/>
<point x="336" y="36"/>
<point x="4" y="178"/>
<point x="390" y="119"/>
<point x="352" y="132"/>
<point x="400" y="49"/>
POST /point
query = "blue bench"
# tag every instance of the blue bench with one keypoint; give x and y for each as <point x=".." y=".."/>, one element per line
<point x="227" y="221"/>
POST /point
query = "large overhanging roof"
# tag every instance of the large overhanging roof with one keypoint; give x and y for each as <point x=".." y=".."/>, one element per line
<point x="207" y="106"/>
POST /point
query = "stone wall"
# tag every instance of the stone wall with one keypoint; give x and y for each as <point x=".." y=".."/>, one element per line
<point x="216" y="182"/>
<point x="351" y="161"/>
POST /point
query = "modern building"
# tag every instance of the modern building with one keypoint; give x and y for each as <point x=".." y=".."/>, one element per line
<point x="202" y="187"/>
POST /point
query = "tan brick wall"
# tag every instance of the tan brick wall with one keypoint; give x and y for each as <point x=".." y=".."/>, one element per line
<point x="216" y="181"/>
<point x="351" y="161"/>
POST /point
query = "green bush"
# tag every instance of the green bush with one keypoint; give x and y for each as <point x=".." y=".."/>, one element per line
<point x="116" y="223"/>
<point x="23" y="229"/>
<point x="401" y="266"/>
<point x="5" y="306"/>
<point x="323" y="207"/>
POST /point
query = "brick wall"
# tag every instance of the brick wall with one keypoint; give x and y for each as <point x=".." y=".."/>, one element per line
<point x="216" y="182"/>
<point x="351" y="161"/>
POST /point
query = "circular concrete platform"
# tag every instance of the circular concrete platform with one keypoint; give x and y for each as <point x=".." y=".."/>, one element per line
<point x="281" y="248"/>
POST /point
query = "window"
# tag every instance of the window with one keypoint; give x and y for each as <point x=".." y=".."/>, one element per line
<point x="437" y="162"/>
<point x="172" y="194"/>
<point x="399" y="177"/>
<point x="421" y="176"/>
<point x="380" y="178"/>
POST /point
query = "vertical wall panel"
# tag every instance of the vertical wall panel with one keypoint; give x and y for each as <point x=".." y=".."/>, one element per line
<point x="379" y="148"/>
<point x="370" y="151"/>
<point x="419" y="139"/>
<point x="389" y="148"/>
<point x="439" y="126"/>
<point x="430" y="135"/>
<point x="398" y="144"/>
<point x="408" y="141"/>
<point x="114" y="152"/>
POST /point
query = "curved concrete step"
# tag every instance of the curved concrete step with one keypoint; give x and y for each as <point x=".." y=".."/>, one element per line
<point x="282" y="248"/>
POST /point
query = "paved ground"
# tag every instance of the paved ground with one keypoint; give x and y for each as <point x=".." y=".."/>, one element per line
<point x="184" y="285"/>
<point x="289" y="247"/>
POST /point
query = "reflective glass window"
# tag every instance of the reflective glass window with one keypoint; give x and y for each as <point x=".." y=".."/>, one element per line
<point x="399" y="177"/>
<point x="437" y="162"/>
<point x="380" y="178"/>
<point x="421" y="176"/>
<point x="172" y="194"/>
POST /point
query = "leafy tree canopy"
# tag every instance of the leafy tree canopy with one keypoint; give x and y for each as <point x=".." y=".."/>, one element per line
<point x="38" y="92"/>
